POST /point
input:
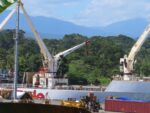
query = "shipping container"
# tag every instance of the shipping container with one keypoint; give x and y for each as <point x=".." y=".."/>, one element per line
<point x="127" y="106"/>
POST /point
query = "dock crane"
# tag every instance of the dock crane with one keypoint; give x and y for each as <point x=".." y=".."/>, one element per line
<point x="50" y="62"/>
<point x="127" y="63"/>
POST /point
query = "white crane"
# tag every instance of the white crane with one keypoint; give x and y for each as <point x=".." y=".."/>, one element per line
<point x="128" y="61"/>
<point x="50" y="62"/>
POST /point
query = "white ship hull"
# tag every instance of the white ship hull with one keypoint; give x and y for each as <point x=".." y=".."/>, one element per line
<point x="59" y="93"/>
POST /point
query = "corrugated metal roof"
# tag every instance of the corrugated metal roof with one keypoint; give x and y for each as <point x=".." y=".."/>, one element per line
<point x="129" y="86"/>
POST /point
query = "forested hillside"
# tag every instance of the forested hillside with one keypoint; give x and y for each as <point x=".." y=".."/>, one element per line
<point x="92" y="64"/>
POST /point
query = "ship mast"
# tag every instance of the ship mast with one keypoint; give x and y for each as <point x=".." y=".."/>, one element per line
<point x="16" y="52"/>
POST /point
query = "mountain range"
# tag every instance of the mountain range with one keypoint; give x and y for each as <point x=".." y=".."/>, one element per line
<point x="55" y="28"/>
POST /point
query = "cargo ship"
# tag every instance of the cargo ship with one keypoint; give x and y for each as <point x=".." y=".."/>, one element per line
<point x="17" y="105"/>
<point x="46" y="82"/>
<point x="24" y="101"/>
<point x="128" y="84"/>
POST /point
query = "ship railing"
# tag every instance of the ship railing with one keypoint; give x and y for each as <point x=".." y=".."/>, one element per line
<point x="78" y="87"/>
<point x="63" y="87"/>
<point x="10" y="85"/>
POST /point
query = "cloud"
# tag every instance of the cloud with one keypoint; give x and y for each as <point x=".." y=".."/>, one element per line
<point x="52" y="8"/>
<point x="89" y="12"/>
<point x="105" y="12"/>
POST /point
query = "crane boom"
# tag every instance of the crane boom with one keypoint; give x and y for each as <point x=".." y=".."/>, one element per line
<point x="60" y="55"/>
<point x="4" y="22"/>
<point x="44" y="50"/>
<point x="137" y="46"/>
<point x="128" y="61"/>
<point x="68" y="51"/>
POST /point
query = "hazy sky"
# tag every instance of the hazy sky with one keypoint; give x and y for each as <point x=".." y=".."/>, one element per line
<point x="90" y="12"/>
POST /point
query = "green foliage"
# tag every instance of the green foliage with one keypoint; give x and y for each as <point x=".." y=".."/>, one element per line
<point x="29" y="56"/>
<point x="63" y="68"/>
<point x="145" y="67"/>
<point x="92" y="64"/>
<point x="105" y="81"/>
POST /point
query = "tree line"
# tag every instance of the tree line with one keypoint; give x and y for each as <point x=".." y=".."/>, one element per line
<point x="95" y="63"/>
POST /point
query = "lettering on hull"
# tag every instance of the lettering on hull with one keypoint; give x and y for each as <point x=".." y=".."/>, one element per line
<point x="34" y="94"/>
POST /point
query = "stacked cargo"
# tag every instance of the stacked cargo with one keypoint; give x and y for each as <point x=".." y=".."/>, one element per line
<point x="127" y="106"/>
